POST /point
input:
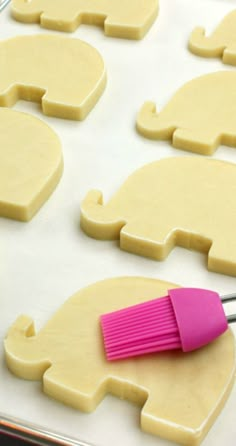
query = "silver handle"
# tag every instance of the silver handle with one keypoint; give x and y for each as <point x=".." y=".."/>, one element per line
<point x="31" y="432"/>
<point x="229" y="298"/>
<point x="3" y="4"/>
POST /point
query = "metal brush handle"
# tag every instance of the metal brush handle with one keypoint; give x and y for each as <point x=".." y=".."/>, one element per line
<point x="226" y="299"/>
<point x="3" y="4"/>
<point x="35" y="434"/>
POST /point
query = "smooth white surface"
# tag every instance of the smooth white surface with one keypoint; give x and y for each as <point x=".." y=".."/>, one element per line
<point x="47" y="260"/>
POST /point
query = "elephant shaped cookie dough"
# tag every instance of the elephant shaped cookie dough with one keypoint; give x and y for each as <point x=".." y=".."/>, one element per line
<point x="66" y="75"/>
<point x="182" y="201"/>
<point x="121" y="18"/>
<point x="180" y="394"/>
<point x="31" y="164"/>
<point x="222" y="43"/>
<point x="199" y="117"/>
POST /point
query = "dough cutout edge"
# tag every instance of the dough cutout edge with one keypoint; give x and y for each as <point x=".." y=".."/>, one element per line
<point x="206" y="99"/>
<point x="222" y="42"/>
<point x="120" y="18"/>
<point x="182" y="201"/>
<point x="75" y="89"/>
<point x="174" y="406"/>
<point x="31" y="164"/>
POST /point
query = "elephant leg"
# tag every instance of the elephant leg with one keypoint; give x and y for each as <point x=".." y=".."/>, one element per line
<point x="54" y="105"/>
<point x="229" y="55"/>
<point x="222" y="256"/>
<point x="74" y="386"/>
<point x="114" y="27"/>
<point x="117" y="27"/>
<point x="9" y="94"/>
<point x="158" y="419"/>
<point x="68" y="22"/>
<point x="153" y="241"/>
<point x="203" y="142"/>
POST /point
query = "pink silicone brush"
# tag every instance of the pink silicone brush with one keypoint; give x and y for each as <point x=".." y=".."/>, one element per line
<point x="187" y="319"/>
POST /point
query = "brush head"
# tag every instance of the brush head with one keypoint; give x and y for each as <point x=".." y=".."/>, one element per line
<point x="187" y="319"/>
<point x="143" y="328"/>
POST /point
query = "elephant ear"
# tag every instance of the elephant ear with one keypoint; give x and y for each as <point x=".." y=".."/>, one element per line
<point x="31" y="164"/>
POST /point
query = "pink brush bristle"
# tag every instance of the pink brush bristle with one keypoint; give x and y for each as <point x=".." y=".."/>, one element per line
<point x="187" y="319"/>
<point x="140" y="329"/>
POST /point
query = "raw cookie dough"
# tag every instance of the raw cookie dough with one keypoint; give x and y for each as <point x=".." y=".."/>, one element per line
<point x="66" y="75"/>
<point x="30" y="164"/>
<point x="121" y="18"/>
<point x="199" y="117"/>
<point x="222" y="43"/>
<point x="182" y="201"/>
<point x="180" y="394"/>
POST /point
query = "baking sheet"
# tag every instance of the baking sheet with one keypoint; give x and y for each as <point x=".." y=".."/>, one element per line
<point x="47" y="260"/>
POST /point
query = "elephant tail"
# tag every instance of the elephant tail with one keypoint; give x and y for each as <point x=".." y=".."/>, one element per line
<point x="99" y="221"/>
<point x="204" y="46"/>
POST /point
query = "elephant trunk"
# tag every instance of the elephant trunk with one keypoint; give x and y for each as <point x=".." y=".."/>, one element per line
<point x="98" y="221"/>
<point x="22" y="355"/>
<point x="151" y="125"/>
<point x="201" y="45"/>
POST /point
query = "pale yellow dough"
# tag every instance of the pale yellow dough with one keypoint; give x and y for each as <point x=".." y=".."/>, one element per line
<point x="30" y="164"/>
<point x="199" y="117"/>
<point x="121" y="18"/>
<point x="182" y="201"/>
<point x="66" y="75"/>
<point x="222" y="42"/>
<point x="180" y="394"/>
